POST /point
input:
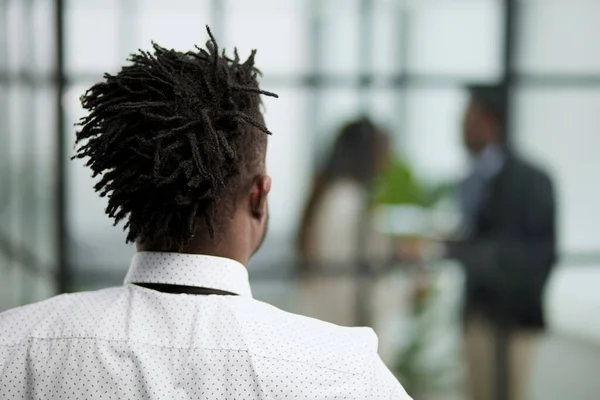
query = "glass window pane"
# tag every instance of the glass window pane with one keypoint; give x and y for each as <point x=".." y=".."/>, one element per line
<point x="27" y="181"/>
<point x="339" y="48"/>
<point x="26" y="184"/>
<point x="387" y="37"/>
<point x="17" y="42"/>
<point x="282" y="293"/>
<point x="6" y="301"/>
<point x="3" y="41"/>
<point x="10" y="295"/>
<point x="559" y="36"/>
<point x="432" y="141"/>
<point x="179" y="24"/>
<point x="277" y="28"/>
<point x="455" y="37"/>
<point x="559" y="127"/>
<point x="5" y="157"/>
<point x="15" y="162"/>
<point x="43" y="34"/>
<point x="92" y="36"/>
<point x="385" y="107"/>
<point x="39" y="288"/>
<point x="27" y="162"/>
<point x="335" y="107"/>
<point x="92" y="232"/>
<point x="288" y="157"/>
<point x="44" y="148"/>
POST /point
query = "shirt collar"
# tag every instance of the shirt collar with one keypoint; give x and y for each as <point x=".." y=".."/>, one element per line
<point x="189" y="270"/>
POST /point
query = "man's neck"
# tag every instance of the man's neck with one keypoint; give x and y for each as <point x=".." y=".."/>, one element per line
<point x="222" y="251"/>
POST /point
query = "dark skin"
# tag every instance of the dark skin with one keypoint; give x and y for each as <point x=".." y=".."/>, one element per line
<point x="480" y="129"/>
<point x="241" y="237"/>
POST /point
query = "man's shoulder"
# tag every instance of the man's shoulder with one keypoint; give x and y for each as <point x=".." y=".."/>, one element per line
<point x="527" y="168"/>
<point x="307" y="327"/>
<point x="279" y="334"/>
<point x="328" y="335"/>
<point x="54" y="316"/>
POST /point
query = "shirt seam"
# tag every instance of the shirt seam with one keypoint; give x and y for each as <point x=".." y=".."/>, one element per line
<point x="178" y="348"/>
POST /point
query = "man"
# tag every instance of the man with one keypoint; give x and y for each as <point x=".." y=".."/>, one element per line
<point x="508" y="249"/>
<point x="180" y="143"/>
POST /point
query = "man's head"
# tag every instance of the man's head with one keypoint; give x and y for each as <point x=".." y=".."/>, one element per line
<point x="484" y="119"/>
<point x="359" y="152"/>
<point x="180" y="142"/>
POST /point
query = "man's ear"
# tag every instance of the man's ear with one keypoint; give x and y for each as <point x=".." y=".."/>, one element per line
<point x="258" y="196"/>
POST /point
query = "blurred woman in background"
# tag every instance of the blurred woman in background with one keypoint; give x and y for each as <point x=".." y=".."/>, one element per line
<point x="337" y="230"/>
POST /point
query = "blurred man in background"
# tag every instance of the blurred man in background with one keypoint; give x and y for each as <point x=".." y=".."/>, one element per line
<point x="180" y="143"/>
<point x="507" y="249"/>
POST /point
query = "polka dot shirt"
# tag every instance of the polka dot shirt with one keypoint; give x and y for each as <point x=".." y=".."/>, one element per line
<point x="136" y="343"/>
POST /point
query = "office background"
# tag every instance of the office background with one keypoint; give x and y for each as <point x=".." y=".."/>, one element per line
<point x="402" y="62"/>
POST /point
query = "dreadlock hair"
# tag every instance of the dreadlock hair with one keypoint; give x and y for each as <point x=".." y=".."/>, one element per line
<point x="172" y="134"/>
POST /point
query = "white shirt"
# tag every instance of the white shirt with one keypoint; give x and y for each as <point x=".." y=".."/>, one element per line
<point x="336" y="229"/>
<point x="131" y="342"/>
<point x="334" y="237"/>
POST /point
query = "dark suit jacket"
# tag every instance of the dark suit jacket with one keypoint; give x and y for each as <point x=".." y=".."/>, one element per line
<point x="512" y="248"/>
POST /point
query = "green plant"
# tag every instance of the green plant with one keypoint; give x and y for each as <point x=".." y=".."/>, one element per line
<point x="415" y="377"/>
<point x="398" y="185"/>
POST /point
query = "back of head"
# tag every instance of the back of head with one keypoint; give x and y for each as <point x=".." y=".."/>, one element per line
<point x="176" y="137"/>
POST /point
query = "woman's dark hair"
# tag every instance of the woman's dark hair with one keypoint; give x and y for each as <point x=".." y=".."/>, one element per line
<point x="353" y="153"/>
<point x="172" y="135"/>
<point x="354" y="156"/>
